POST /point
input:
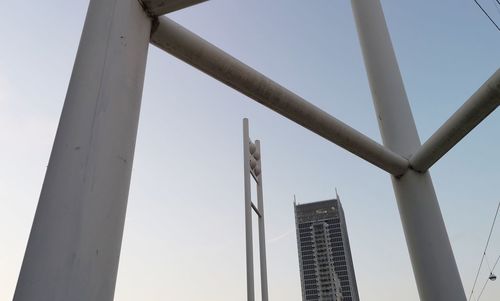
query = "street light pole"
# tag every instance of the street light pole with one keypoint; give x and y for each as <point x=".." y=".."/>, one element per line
<point x="253" y="169"/>
<point x="262" y="229"/>
<point x="248" y="212"/>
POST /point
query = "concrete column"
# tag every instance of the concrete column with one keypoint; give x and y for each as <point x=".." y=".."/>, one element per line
<point x="74" y="245"/>
<point x="430" y="251"/>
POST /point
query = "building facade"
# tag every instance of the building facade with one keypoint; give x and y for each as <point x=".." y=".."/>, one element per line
<point x="326" y="267"/>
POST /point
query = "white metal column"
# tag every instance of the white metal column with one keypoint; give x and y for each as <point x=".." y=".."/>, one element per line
<point x="430" y="251"/>
<point x="262" y="229"/>
<point x="248" y="212"/>
<point x="253" y="168"/>
<point x="74" y="245"/>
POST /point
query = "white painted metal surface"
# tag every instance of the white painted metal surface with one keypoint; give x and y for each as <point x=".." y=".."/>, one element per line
<point x="75" y="240"/>
<point x="484" y="101"/>
<point x="161" y="7"/>
<point x="262" y="231"/>
<point x="74" y="245"/>
<point x="199" y="53"/>
<point x="430" y="251"/>
<point x="248" y="212"/>
<point x="253" y="166"/>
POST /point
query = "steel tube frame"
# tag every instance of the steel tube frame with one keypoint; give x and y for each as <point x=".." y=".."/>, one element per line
<point x="248" y="212"/>
<point x="484" y="101"/>
<point x="74" y="244"/>
<point x="75" y="240"/>
<point x="434" y="265"/>
<point x="190" y="48"/>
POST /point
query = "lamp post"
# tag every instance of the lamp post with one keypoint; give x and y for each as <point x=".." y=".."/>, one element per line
<point x="253" y="169"/>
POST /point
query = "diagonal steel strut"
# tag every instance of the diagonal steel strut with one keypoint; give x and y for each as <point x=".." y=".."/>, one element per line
<point x="484" y="101"/>
<point x="192" y="49"/>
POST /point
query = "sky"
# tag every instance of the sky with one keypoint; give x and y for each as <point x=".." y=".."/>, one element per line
<point x="184" y="231"/>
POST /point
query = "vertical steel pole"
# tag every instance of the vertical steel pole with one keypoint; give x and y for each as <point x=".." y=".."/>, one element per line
<point x="262" y="230"/>
<point x="74" y="245"/>
<point x="430" y="251"/>
<point x="248" y="211"/>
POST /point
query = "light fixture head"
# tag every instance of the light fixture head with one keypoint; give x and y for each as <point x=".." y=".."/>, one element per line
<point x="253" y="163"/>
<point x="252" y="147"/>
<point x="256" y="170"/>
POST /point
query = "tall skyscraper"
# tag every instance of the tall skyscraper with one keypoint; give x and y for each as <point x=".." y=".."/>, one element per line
<point x="326" y="268"/>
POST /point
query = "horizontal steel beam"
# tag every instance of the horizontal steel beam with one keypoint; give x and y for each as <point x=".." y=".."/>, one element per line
<point x="484" y="101"/>
<point x="161" y="7"/>
<point x="206" y="57"/>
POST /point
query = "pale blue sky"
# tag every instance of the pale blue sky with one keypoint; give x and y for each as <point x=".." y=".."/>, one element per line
<point x="184" y="235"/>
